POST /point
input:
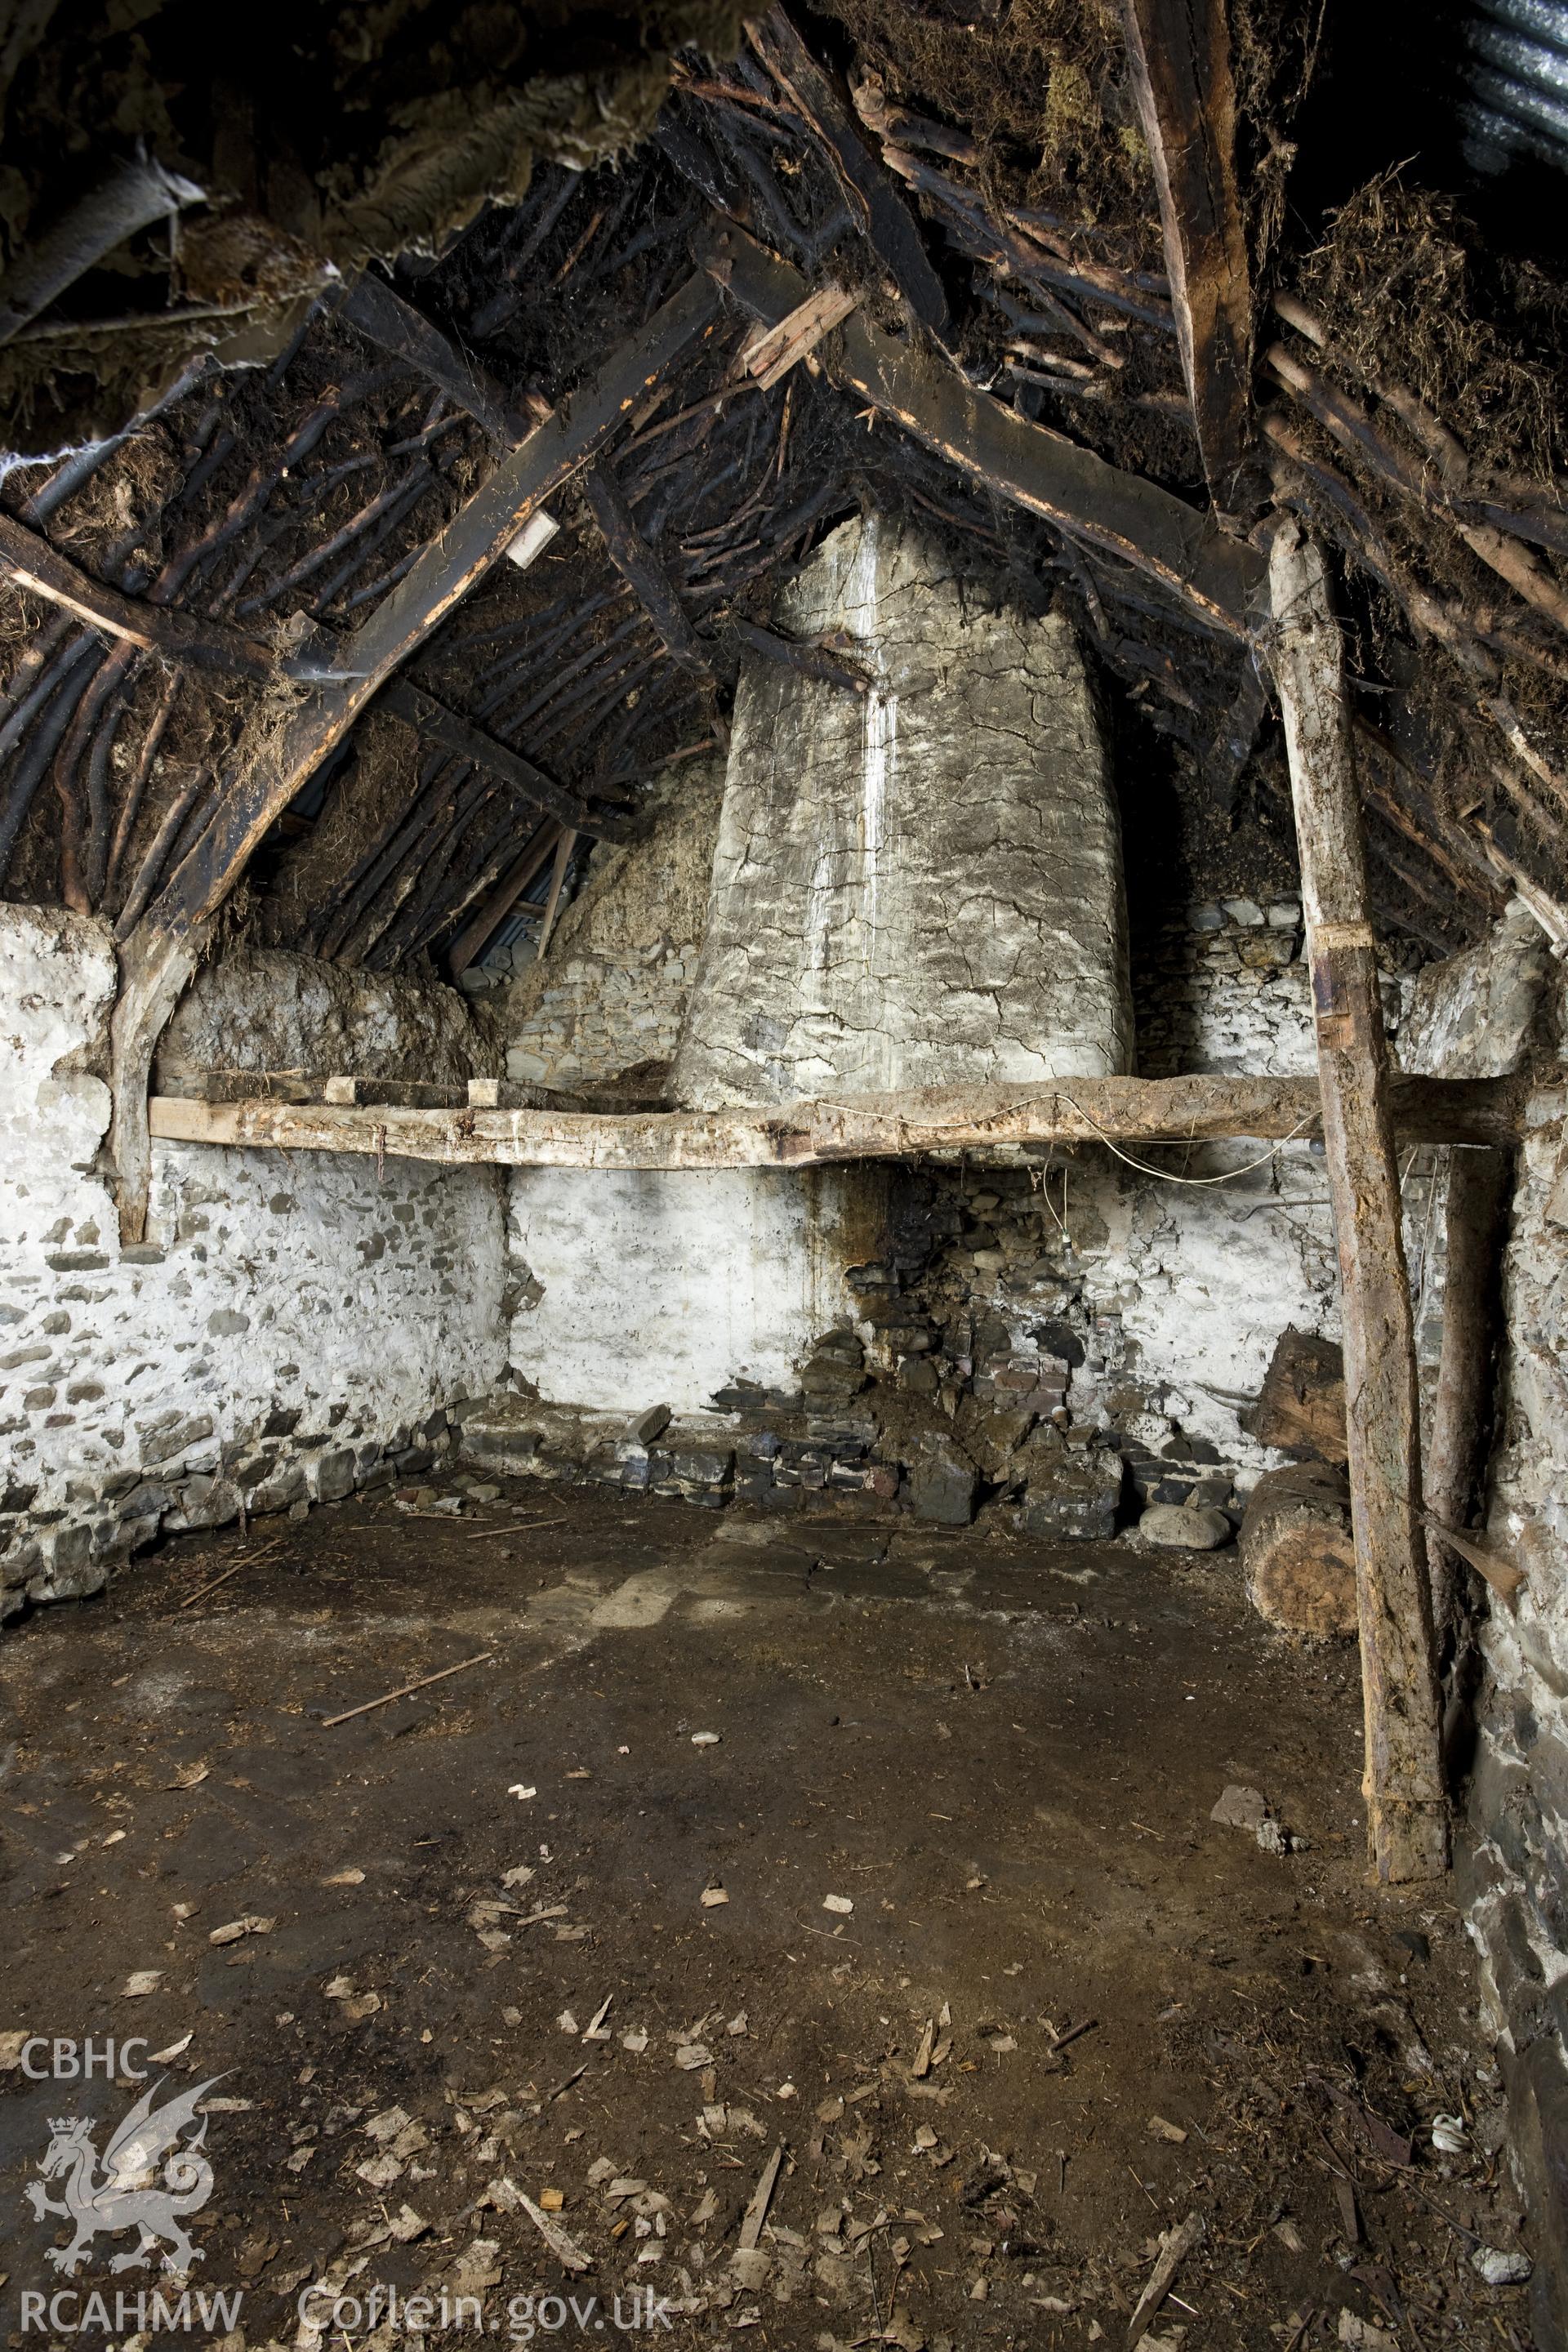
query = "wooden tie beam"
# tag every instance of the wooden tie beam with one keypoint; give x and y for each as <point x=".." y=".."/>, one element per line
<point x="869" y="1127"/>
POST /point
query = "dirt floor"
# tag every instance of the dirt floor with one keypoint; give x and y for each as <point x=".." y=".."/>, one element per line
<point x="886" y="1850"/>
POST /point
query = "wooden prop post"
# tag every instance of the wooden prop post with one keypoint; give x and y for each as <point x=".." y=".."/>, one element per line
<point x="1461" y="1408"/>
<point x="1406" y="1815"/>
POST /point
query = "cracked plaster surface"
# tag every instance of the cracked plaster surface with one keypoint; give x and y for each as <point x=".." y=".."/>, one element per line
<point x="922" y="885"/>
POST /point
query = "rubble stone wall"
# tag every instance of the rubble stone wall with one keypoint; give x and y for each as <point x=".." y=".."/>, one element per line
<point x="611" y="992"/>
<point x="1505" y="1006"/>
<point x="293" y="1326"/>
<point x="1222" y="986"/>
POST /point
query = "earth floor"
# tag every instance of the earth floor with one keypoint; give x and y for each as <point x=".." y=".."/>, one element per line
<point x="513" y="1988"/>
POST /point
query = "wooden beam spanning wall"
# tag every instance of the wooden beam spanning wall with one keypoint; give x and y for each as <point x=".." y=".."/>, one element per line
<point x="1221" y="579"/>
<point x="278" y="753"/>
<point x="869" y="1127"/>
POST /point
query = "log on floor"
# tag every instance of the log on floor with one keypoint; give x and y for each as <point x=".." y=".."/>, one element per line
<point x="1298" y="1550"/>
<point x="1300" y="1407"/>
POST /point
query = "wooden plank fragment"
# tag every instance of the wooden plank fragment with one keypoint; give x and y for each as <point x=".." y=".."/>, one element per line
<point x="1406" y="1813"/>
<point x="1220" y="579"/>
<point x="281" y="752"/>
<point x="1178" y="52"/>
<point x="1175" y="2245"/>
<point x="773" y="350"/>
<point x="870" y="1126"/>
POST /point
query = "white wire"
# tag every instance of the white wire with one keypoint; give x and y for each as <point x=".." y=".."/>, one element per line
<point x="1164" y="1174"/>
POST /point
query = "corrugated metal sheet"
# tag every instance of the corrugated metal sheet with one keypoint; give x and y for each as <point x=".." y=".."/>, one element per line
<point x="1518" y="76"/>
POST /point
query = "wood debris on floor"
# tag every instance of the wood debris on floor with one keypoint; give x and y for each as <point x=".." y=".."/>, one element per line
<point x="955" y="2061"/>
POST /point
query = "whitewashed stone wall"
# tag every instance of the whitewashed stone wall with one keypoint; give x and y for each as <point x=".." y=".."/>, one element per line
<point x="919" y="886"/>
<point x="290" y="1328"/>
<point x="661" y="1289"/>
<point x="1505" y="1007"/>
<point x="1178" y="1286"/>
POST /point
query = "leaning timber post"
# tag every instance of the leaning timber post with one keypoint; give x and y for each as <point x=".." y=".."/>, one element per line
<point x="1462" y="1413"/>
<point x="1407" y="1814"/>
<point x="155" y="969"/>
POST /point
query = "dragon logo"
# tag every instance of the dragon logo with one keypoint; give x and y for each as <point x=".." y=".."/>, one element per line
<point x="126" y="2193"/>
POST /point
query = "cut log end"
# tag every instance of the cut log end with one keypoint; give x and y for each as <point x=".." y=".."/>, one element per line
<point x="1301" y="1407"/>
<point x="1297" y="1554"/>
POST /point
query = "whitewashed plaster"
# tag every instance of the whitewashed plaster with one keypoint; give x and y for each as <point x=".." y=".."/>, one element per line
<point x="920" y="884"/>
<point x="658" y="1288"/>
<point x="280" y="1305"/>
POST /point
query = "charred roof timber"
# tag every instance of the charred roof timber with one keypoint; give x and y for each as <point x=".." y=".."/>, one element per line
<point x="1062" y="357"/>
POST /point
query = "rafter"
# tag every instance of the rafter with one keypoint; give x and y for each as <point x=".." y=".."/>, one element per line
<point x="644" y="572"/>
<point x="475" y="935"/>
<point x="1219" y="578"/>
<point x="275" y="760"/>
<point x="385" y="318"/>
<point x="869" y="188"/>
<point x="1179" y="53"/>
<point x="29" y="563"/>
<point x="459" y="736"/>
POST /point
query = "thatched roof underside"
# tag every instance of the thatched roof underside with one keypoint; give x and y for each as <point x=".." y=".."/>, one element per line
<point x="1405" y="395"/>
